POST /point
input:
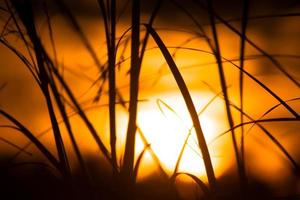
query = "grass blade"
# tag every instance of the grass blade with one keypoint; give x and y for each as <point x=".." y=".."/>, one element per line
<point x="269" y="120"/>
<point x="188" y="135"/>
<point x="223" y="84"/>
<point x="112" y="84"/>
<point x="138" y="161"/>
<point x="266" y="132"/>
<point x="11" y="143"/>
<point x="244" y="22"/>
<point x="25" y="13"/>
<point x="110" y="34"/>
<point x="189" y="103"/>
<point x="127" y="170"/>
<point x="26" y="132"/>
<point x="207" y="193"/>
<point x="144" y="140"/>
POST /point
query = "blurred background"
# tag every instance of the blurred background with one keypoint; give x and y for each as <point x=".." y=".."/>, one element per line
<point x="162" y="116"/>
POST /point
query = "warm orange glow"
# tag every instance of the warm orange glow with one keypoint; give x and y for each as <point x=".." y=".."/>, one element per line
<point x="166" y="130"/>
<point x="163" y="118"/>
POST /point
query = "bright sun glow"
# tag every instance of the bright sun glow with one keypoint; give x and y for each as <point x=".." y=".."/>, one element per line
<point x="165" y="122"/>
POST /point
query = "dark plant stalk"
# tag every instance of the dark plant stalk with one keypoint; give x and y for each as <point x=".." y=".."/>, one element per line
<point x="216" y="53"/>
<point x="136" y="62"/>
<point x="112" y="85"/>
<point x="82" y="114"/>
<point x="244" y="22"/>
<point x="143" y="48"/>
<point x="61" y="105"/>
<point x="73" y="100"/>
<point x="67" y="123"/>
<point x="127" y="170"/>
<point x="57" y="135"/>
<point x="139" y="160"/>
<point x="144" y="140"/>
<point x="190" y="106"/>
<point x="25" y="13"/>
<point x="110" y="34"/>
<point x="218" y="57"/>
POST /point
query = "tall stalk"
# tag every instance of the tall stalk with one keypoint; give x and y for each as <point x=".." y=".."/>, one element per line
<point x="112" y="85"/>
<point x="25" y="13"/>
<point x="190" y="106"/>
<point x="109" y="19"/>
<point x="241" y="86"/>
<point x="127" y="170"/>
<point x="217" y="54"/>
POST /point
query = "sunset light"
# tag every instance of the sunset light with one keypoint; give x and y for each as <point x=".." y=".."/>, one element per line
<point x="149" y="100"/>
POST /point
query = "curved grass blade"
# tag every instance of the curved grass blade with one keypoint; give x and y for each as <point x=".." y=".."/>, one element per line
<point x="26" y="132"/>
<point x="189" y="103"/>
<point x="269" y="120"/>
<point x="271" y="109"/>
<point x="272" y="138"/>
<point x="189" y="134"/>
<point x="160" y="102"/>
<point x="138" y="161"/>
<point x="13" y="144"/>
<point x="207" y="193"/>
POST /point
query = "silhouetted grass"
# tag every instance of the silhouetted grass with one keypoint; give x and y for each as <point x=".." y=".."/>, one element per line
<point x="115" y="176"/>
<point x="127" y="171"/>
<point x="190" y="106"/>
<point x="244" y="22"/>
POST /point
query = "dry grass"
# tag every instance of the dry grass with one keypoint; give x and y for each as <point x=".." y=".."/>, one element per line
<point x="20" y="21"/>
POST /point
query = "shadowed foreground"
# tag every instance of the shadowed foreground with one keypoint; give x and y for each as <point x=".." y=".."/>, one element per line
<point x="35" y="182"/>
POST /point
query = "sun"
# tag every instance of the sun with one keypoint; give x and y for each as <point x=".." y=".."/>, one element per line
<point x="166" y="124"/>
